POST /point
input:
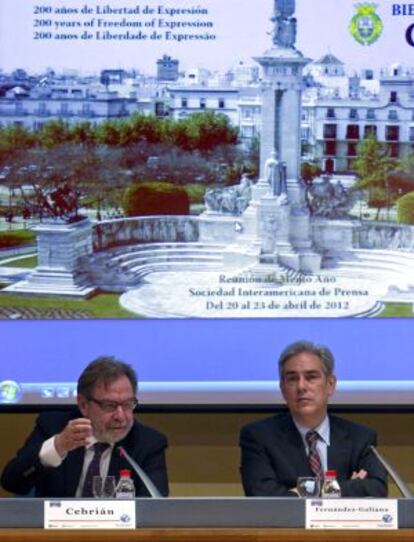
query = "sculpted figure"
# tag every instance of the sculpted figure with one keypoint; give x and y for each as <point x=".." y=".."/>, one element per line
<point x="275" y="173"/>
<point x="244" y="194"/>
<point x="330" y="200"/>
<point x="287" y="32"/>
<point x="65" y="201"/>
<point x="284" y="31"/>
<point x="212" y="199"/>
<point x="231" y="200"/>
<point x="284" y="8"/>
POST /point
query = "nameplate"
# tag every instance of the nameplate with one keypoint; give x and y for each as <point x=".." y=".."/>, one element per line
<point x="351" y="514"/>
<point x="89" y="514"/>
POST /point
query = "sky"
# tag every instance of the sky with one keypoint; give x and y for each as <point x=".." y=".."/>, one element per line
<point x="241" y="28"/>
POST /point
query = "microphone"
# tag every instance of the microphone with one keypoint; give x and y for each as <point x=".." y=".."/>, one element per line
<point x="145" y="479"/>
<point x="402" y="486"/>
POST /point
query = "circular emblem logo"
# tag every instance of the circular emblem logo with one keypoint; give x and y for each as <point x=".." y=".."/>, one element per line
<point x="10" y="391"/>
<point x="366" y="26"/>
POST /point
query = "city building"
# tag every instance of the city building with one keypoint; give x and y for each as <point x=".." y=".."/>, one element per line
<point x="338" y="110"/>
<point x="167" y="69"/>
<point x="333" y="125"/>
<point x="186" y="100"/>
<point x="70" y="102"/>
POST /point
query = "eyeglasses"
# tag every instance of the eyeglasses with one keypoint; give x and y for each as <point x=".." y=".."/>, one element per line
<point x="112" y="406"/>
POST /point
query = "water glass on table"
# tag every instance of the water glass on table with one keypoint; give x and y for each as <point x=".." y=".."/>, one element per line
<point x="308" y="486"/>
<point x="103" y="487"/>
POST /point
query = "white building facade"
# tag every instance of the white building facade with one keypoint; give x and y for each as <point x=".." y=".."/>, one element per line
<point x="338" y="110"/>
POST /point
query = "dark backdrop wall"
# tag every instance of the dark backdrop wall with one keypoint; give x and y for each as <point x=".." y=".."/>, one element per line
<point x="203" y="457"/>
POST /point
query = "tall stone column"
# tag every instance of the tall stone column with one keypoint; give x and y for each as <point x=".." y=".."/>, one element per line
<point x="281" y="112"/>
<point x="290" y="141"/>
<point x="283" y="224"/>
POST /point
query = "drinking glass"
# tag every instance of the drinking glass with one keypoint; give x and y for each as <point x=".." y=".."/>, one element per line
<point x="308" y="486"/>
<point x="103" y="486"/>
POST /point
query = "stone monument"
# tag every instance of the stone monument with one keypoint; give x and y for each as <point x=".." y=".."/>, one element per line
<point x="64" y="237"/>
<point x="275" y="227"/>
<point x="278" y="214"/>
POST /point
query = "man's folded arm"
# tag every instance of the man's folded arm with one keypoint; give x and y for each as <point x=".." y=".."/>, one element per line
<point x="258" y="475"/>
<point x="374" y="484"/>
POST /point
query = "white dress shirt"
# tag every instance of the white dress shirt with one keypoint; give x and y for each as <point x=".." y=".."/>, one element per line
<point x="49" y="457"/>
<point x="323" y="441"/>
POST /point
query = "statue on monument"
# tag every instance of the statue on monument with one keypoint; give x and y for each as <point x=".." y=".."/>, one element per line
<point x="61" y="203"/>
<point x="284" y="31"/>
<point x="275" y="174"/>
<point x="232" y="200"/>
<point x="328" y="199"/>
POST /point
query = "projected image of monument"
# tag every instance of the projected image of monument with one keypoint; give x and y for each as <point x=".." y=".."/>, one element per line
<point x="277" y="259"/>
<point x="279" y="243"/>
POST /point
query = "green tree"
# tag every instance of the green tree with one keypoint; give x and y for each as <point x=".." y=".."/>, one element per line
<point x="407" y="165"/>
<point x="146" y="199"/>
<point x="93" y="173"/>
<point x="253" y="157"/>
<point x="373" y="166"/>
<point x="309" y="171"/>
<point x="202" y="131"/>
<point x="144" y="128"/>
<point x="83" y="133"/>
<point x="401" y="181"/>
<point x="109" y="133"/>
<point x="53" y="133"/>
<point x="100" y="178"/>
<point x="14" y="139"/>
<point x="405" y="208"/>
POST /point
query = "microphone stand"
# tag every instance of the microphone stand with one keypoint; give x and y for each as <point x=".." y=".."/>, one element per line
<point x="402" y="486"/>
<point x="152" y="490"/>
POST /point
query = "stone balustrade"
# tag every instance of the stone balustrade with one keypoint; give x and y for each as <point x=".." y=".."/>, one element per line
<point x="385" y="235"/>
<point x="145" y="229"/>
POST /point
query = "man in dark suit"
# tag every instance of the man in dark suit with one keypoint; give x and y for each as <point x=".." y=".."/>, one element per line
<point x="307" y="441"/>
<point x="64" y="448"/>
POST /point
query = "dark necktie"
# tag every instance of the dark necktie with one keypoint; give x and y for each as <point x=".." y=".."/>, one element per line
<point x="94" y="468"/>
<point x="314" y="458"/>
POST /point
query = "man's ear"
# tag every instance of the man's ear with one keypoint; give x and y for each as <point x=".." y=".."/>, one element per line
<point x="332" y="384"/>
<point x="83" y="405"/>
<point x="282" y="387"/>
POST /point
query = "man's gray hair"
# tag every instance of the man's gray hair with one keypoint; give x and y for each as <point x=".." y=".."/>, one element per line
<point x="299" y="347"/>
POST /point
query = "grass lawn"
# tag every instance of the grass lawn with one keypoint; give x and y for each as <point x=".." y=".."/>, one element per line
<point x="397" y="310"/>
<point x="14" y="238"/>
<point x="103" y="305"/>
<point x="28" y="263"/>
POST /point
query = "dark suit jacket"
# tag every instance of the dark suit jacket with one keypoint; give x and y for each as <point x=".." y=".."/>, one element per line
<point x="273" y="456"/>
<point x="25" y="472"/>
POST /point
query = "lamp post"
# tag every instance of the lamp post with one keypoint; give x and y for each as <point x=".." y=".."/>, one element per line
<point x="3" y="179"/>
<point x="387" y="188"/>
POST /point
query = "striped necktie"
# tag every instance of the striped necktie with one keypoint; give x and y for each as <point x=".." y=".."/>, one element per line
<point x="315" y="463"/>
<point x="94" y="468"/>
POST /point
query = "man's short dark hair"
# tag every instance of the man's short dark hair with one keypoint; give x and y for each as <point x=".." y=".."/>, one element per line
<point x="298" y="347"/>
<point x="105" y="369"/>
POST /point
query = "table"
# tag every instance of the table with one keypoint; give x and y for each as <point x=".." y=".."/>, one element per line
<point x="205" y="535"/>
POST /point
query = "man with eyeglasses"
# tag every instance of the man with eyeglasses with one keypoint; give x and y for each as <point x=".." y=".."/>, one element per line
<point x="307" y="441"/>
<point x="66" y="449"/>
